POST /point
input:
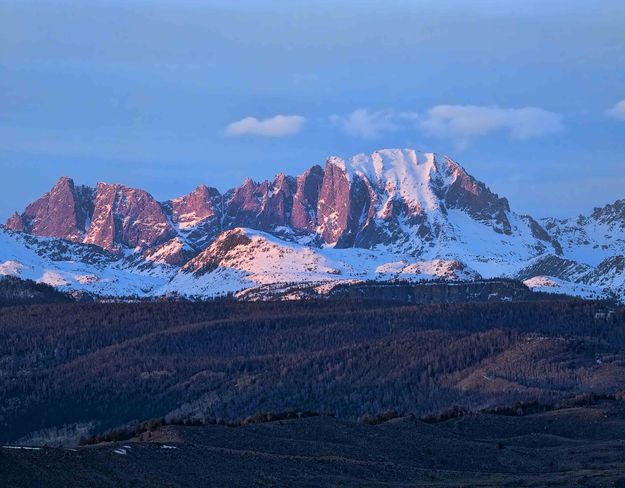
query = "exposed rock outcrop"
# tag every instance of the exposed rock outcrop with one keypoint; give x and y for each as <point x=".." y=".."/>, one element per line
<point x="127" y="217"/>
<point x="61" y="212"/>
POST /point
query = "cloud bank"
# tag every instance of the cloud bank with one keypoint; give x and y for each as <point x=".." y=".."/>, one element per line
<point x="368" y="124"/>
<point x="276" y="126"/>
<point x="463" y="122"/>
<point x="459" y="123"/>
<point x="365" y="123"/>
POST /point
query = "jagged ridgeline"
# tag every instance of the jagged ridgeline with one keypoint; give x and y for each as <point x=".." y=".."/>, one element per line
<point x="394" y="214"/>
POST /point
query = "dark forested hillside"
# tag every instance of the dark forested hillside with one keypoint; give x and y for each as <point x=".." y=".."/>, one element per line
<point x="69" y="370"/>
<point x="15" y="291"/>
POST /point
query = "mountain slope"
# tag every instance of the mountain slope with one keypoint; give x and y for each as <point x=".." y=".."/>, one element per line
<point x="71" y="266"/>
<point x="397" y="213"/>
<point x="593" y="238"/>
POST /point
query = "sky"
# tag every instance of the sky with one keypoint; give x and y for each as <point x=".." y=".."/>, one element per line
<point x="164" y="95"/>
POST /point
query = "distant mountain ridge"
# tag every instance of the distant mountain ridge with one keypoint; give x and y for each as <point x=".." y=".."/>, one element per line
<point x="369" y="217"/>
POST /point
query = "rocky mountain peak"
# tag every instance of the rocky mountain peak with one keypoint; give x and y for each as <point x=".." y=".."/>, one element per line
<point x="15" y="222"/>
<point x="127" y="217"/>
<point x="612" y="214"/>
<point x="61" y="212"/>
<point x="195" y="208"/>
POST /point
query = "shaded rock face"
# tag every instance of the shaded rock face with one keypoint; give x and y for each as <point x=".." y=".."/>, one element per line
<point x="243" y="204"/>
<point x="475" y="198"/>
<point x="556" y="266"/>
<point x="610" y="273"/>
<point x="278" y="203"/>
<point x="611" y="267"/>
<point x="612" y="214"/>
<point x="127" y="217"/>
<point x="262" y="206"/>
<point x="62" y="212"/>
<point x="306" y="198"/>
<point x="540" y="233"/>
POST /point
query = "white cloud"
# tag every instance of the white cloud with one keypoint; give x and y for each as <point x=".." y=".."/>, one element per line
<point x="276" y="126"/>
<point x="463" y="122"/>
<point x="370" y="124"/>
<point x="618" y="111"/>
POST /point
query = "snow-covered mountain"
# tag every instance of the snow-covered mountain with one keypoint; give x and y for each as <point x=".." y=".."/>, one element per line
<point x="394" y="214"/>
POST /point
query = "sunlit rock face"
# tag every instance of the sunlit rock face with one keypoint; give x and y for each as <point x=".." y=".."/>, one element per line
<point x="62" y="212"/>
<point x="127" y="217"/>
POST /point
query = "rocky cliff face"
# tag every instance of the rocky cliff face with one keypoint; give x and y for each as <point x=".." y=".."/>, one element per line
<point x="197" y="207"/>
<point x="476" y="291"/>
<point x="474" y="197"/>
<point x="198" y="215"/>
<point x="244" y="204"/>
<point x="334" y="206"/>
<point x="127" y="217"/>
<point x="612" y="215"/>
<point x="277" y="204"/>
<point x="62" y="212"/>
<point x="306" y="199"/>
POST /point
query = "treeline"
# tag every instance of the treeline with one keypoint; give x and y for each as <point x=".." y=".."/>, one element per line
<point x="149" y="426"/>
<point x="114" y="364"/>
<point x="519" y="409"/>
<point x="16" y="291"/>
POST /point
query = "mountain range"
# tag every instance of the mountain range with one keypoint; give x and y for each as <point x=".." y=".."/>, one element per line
<point x="397" y="214"/>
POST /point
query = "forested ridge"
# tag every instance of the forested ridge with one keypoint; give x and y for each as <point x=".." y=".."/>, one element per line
<point x="16" y="291"/>
<point x="92" y="367"/>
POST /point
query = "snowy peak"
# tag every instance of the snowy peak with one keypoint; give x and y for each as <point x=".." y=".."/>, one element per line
<point x="402" y="174"/>
<point x="466" y="193"/>
<point x="402" y="198"/>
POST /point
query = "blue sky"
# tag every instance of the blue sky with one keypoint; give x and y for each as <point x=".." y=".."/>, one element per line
<point x="168" y="94"/>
